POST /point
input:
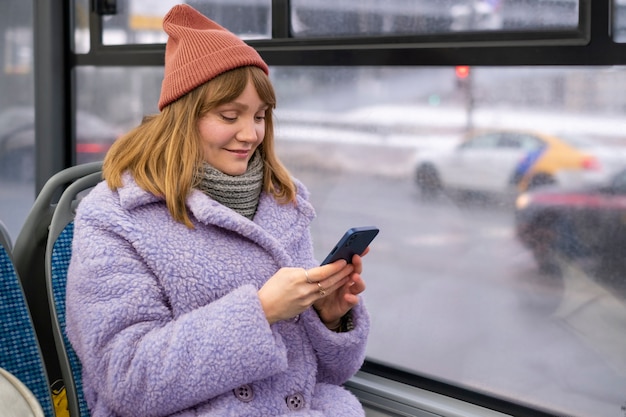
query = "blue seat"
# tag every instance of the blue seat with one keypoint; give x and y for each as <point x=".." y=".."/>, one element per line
<point x="58" y="254"/>
<point x="20" y="353"/>
<point x="29" y="258"/>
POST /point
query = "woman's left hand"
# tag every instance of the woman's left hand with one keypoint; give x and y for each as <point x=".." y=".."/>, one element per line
<point x="333" y="306"/>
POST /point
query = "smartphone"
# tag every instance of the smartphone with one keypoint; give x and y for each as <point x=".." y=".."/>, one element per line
<point x="354" y="241"/>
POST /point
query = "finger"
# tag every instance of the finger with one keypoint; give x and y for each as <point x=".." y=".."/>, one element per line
<point x="357" y="285"/>
<point x="351" y="291"/>
<point x="307" y="277"/>
<point x="331" y="287"/>
<point x="324" y="272"/>
<point x="351" y="299"/>
<point x="326" y="289"/>
<point x="338" y="279"/>
<point x="336" y="268"/>
<point x="357" y="261"/>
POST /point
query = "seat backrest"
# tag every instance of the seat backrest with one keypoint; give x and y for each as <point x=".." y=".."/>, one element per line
<point x="20" y="354"/>
<point x="5" y="237"/>
<point x="58" y="254"/>
<point x="29" y="257"/>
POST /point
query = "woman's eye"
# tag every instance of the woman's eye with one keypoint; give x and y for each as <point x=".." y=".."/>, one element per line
<point x="228" y="118"/>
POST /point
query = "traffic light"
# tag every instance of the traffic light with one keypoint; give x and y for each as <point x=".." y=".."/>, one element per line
<point x="463" y="77"/>
<point x="462" y="71"/>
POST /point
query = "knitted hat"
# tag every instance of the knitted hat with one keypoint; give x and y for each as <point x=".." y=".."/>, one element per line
<point x="198" y="50"/>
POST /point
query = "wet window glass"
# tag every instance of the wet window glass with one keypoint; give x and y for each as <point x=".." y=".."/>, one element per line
<point x="401" y="17"/>
<point x="481" y="141"/>
<point x="619" y="184"/>
<point x="140" y="21"/>
<point x="528" y="142"/>
<point x="99" y="121"/>
<point x="619" y="20"/>
<point x="17" y="115"/>
<point x="501" y="269"/>
<point x="81" y="39"/>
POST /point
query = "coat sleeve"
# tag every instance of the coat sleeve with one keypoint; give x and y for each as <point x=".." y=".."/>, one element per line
<point x="339" y="355"/>
<point x="137" y="357"/>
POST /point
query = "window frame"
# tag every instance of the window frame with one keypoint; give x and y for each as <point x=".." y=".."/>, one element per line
<point x="589" y="44"/>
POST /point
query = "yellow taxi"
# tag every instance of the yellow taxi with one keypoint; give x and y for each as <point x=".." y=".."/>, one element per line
<point x="513" y="161"/>
<point x="566" y="159"/>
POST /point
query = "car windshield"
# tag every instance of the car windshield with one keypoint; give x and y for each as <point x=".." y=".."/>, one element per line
<point x="480" y="141"/>
<point x="576" y="141"/>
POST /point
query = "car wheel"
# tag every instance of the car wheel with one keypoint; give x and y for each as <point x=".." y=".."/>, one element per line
<point x="428" y="181"/>
<point x="539" y="180"/>
<point x="555" y="241"/>
<point x="542" y="240"/>
<point x="547" y="261"/>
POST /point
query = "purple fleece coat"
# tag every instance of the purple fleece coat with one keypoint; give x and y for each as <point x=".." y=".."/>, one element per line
<point x="167" y="322"/>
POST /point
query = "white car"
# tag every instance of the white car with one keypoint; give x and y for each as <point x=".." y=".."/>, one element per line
<point x="507" y="162"/>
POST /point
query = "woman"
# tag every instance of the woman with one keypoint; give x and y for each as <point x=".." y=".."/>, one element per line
<point x="192" y="289"/>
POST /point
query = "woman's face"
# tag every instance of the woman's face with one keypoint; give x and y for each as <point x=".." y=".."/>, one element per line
<point x="231" y="132"/>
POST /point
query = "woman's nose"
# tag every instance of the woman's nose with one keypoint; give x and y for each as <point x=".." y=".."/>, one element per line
<point x="247" y="132"/>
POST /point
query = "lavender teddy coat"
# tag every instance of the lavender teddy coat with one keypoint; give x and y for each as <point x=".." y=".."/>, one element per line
<point x="167" y="322"/>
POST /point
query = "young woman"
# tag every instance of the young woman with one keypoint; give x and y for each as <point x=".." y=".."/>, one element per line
<point x="193" y="289"/>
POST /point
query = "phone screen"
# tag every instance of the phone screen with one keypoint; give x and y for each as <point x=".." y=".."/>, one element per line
<point x="353" y="242"/>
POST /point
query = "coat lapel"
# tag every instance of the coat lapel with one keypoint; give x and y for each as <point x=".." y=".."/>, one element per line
<point x="274" y="227"/>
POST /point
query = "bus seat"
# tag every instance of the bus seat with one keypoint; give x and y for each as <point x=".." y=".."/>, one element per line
<point x="58" y="254"/>
<point x="29" y="258"/>
<point x="5" y="237"/>
<point x="20" y="354"/>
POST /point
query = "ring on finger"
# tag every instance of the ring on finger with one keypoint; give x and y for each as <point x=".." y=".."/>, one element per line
<point x="322" y="291"/>
<point x="306" y="275"/>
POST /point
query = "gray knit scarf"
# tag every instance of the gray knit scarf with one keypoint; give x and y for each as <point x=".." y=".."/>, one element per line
<point x="239" y="193"/>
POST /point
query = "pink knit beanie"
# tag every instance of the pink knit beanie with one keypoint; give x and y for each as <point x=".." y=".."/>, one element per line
<point x="197" y="50"/>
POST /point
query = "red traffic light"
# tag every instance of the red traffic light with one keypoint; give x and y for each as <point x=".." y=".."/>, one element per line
<point x="462" y="71"/>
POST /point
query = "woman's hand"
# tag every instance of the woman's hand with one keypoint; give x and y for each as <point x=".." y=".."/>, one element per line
<point x="335" y="305"/>
<point x="332" y="289"/>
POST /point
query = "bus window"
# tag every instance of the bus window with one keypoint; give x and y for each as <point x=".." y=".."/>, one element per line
<point x="139" y="22"/>
<point x="453" y="291"/>
<point x="619" y="21"/>
<point x="17" y="106"/>
<point x="398" y="17"/>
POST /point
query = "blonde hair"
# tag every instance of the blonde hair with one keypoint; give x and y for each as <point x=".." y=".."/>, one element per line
<point x="164" y="153"/>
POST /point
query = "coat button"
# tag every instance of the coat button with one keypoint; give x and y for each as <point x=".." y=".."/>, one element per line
<point x="296" y="318"/>
<point x="295" y="401"/>
<point x="244" y="393"/>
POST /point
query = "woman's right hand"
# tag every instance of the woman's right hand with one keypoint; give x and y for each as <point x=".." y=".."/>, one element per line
<point x="289" y="291"/>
